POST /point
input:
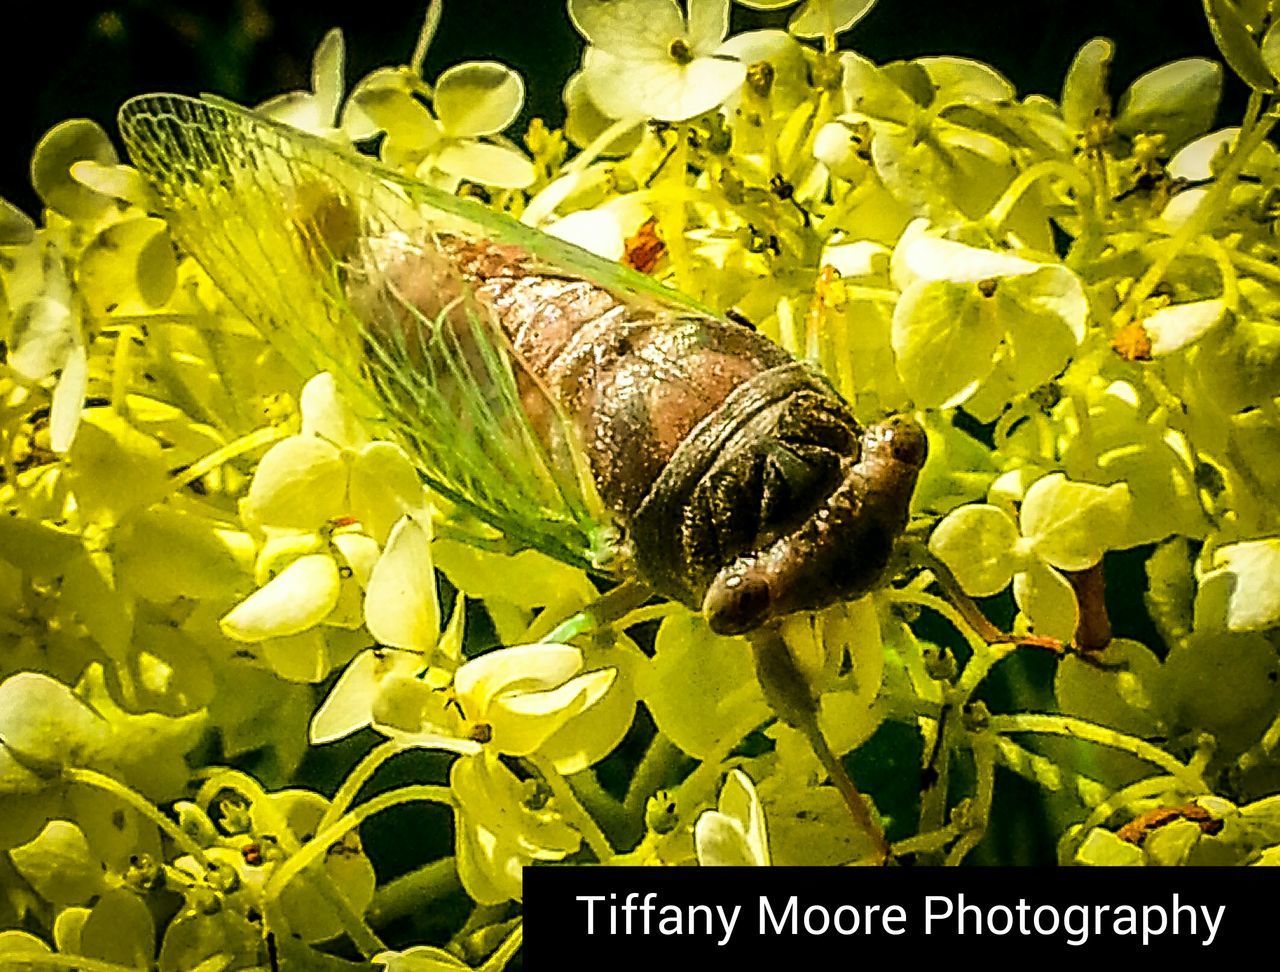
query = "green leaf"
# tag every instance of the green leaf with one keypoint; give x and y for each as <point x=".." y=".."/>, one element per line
<point x="1238" y="47"/>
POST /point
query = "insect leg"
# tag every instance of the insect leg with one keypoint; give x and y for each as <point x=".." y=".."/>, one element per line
<point x="603" y="611"/>
<point x="789" y="695"/>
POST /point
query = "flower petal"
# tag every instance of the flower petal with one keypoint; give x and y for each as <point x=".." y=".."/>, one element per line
<point x="820" y="17"/>
<point x="297" y="598"/>
<point x="478" y="98"/>
<point x="485" y="163"/>
<point x="401" y="607"/>
<point x="300" y="484"/>
<point x="349" y="704"/>
<point x="326" y="415"/>
<point x="633" y="29"/>
<point x="518" y="668"/>
<point x="523" y="721"/>
<point x="708" y="24"/>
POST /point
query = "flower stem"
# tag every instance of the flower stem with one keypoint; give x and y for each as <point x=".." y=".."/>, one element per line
<point x="1201" y="218"/>
<point x="357" y="778"/>
<point x="574" y="812"/>
<point x="1073" y="728"/>
<point x="506" y="951"/>
<point x="412" y="892"/>
<point x="137" y="801"/>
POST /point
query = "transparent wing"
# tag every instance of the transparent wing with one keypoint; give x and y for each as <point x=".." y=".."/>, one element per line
<point x="347" y="268"/>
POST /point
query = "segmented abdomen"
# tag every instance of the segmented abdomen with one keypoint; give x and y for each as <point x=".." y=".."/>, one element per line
<point x="634" y="380"/>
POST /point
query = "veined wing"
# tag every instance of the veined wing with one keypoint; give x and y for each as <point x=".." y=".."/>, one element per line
<point x="348" y="268"/>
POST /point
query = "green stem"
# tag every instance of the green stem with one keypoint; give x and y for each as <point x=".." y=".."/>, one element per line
<point x="655" y="770"/>
<point x="309" y="852"/>
<point x="410" y="893"/>
<point x="984" y="758"/>
<point x="232" y="450"/>
<point x="137" y="801"/>
<point x="1050" y="168"/>
<point x="1201" y="218"/>
<point x="302" y="856"/>
<point x="1073" y="728"/>
<point x="606" y="609"/>
<point x="789" y="695"/>
<point x="1154" y="786"/>
<point x="572" y="810"/>
<point x="930" y="842"/>
<point x="506" y="951"/>
<point x="358" y="777"/>
<point x="697" y="789"/>
<point x="1048" y="774"/>
<point x="430" y="22"/>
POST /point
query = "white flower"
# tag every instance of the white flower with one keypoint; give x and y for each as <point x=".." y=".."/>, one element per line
<point x="815" y="18"/>
<point x="314" y="111"/>
<point x="473" y="103"/>
<point x="648" y="59"/>
<point x="734" y="833"/>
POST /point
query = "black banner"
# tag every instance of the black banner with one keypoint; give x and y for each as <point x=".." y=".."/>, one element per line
<point x="686" y="917"/>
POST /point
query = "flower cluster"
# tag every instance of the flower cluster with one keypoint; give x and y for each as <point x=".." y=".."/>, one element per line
<point x="238" y="625"/>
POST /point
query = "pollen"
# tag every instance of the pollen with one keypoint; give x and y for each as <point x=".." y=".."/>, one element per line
<point x="1132" y="342"/>
<point x="644" y="248"/>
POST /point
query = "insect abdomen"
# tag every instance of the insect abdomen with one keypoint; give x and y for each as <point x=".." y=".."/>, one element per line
<point x="634" y="381"/>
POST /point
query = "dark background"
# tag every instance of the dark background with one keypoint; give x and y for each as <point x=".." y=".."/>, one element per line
<point x="66" y="58"/>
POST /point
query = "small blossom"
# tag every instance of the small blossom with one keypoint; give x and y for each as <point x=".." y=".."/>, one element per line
<point x="315" y="111"/>
<point x="502" y="825"/>
<point x="473" y="101"/>
<point x="734" y="833"/>
<point x="647" y="59"/>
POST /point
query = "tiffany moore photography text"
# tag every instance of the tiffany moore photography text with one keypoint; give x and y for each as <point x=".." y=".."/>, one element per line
<point x="636" y="914"/>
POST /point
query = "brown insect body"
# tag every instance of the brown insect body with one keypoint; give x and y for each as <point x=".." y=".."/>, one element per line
<point x="746" y="487"/>
<point x="542" y="389"/>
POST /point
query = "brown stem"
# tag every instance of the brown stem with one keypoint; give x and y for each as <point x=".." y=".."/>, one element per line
<point x="1093" y="630"/>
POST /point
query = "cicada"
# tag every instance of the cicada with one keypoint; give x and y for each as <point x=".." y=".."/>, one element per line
<point x="574" y="405"/>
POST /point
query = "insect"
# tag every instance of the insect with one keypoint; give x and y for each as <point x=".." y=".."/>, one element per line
<point x="575" y="405"/>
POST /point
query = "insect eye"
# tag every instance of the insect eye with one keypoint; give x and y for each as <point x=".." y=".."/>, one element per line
<point x="737" y="604"/>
